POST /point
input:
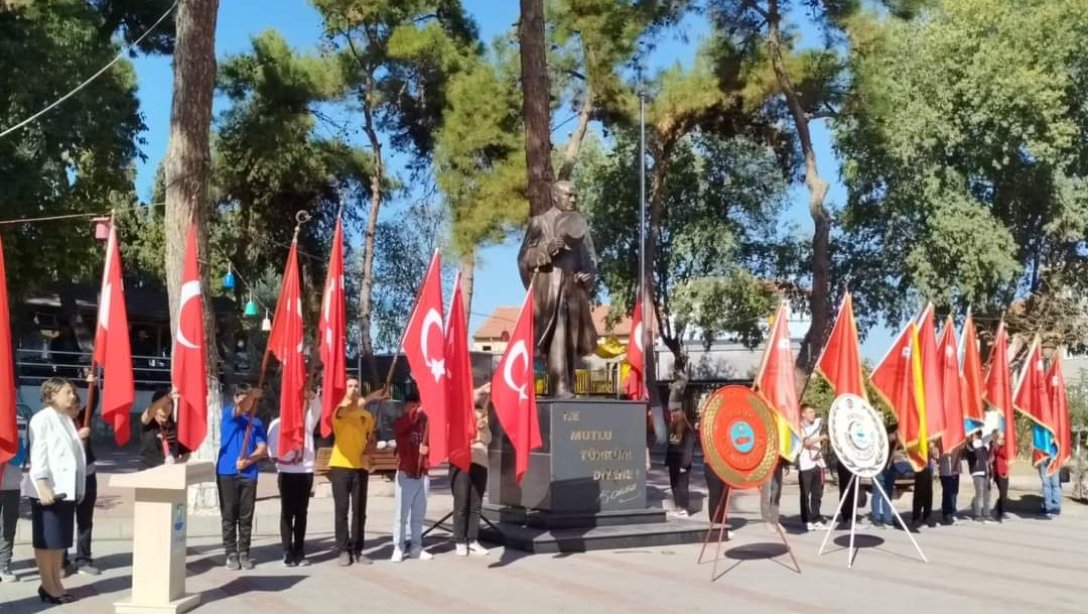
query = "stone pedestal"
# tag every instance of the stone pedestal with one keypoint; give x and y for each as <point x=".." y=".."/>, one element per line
<point x="159" y="532"/>
<point x="585" y="487"/>
<point x="593" y="459"/>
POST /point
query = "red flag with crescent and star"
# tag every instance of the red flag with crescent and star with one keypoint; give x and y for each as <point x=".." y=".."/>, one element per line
<point x="425" y="347"/>
<point x="635" y="385"/>
<point x="9" y="429"/>
<point x="332" y="332"/>
<point x="513" y="389"/>
<point x="461" y="429"/>
<point x="971" y="385"/>
<point x="840" y="361"/>
<point x="951" y="393"/>
<point x="998" y="384"/>
<point x="112" y="351"/>
<point x="285" y="342"/>
<point x="1059" y="407"/>
<point x="188" y="371"/>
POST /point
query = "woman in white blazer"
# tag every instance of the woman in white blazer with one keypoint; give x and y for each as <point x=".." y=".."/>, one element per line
<point x="58" y="470"/>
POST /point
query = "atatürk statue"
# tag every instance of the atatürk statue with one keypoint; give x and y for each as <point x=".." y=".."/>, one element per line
<point x="559" y="249"/>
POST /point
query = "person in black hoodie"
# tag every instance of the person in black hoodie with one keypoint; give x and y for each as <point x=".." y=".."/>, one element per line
<point x="678" y="458"/>
<point x="84" y="563"/>
<point x="978" y="457"/>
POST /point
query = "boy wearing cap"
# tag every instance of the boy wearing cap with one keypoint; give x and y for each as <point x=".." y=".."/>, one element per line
<point x="410" y="504"/>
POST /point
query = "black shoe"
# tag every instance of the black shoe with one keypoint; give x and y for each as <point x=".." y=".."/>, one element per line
<point x="931" y="523"/>
<point x="69" y="569"/>
<point x="232" y="562"/>
<point x="88" y="570"/>
<point x="246" y="562"/>
<point x="47" y="598"/>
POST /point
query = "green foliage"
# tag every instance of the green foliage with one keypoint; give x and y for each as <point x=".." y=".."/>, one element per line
<point x="480" y="156"/>
<point x="76" y="158"/>
<point x="395" y="56"/>
<point x="720" y="206"/>
<point x="965" y="159"/>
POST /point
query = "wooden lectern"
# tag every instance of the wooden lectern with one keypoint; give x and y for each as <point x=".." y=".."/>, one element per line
<point x="160" y="524"/>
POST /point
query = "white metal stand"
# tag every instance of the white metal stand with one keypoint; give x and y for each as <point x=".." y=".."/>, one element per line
<point x="855" y="484"/>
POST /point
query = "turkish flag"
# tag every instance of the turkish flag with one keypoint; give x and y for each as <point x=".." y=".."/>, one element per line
<point x="931" y="373"/>
<point x="331" y="332"/>
<point x="513" y="389"/>
<point x="1032" y="399"/>
<point x="285" y="343"/>
<point x="461" y="429"/>
<point x="971" y="383"/>
<point x="424" y="345"/>
<point x="1059" y="407"/>
<point x="998" y="386"/>
<point x="9" y="431"/>
<point x="840" y="362"/>
<point x="112" y="351"/>
<point x="189" y="373"/>
<point x="951" y="395"/>
<point x="898" y="380"/>
<point x="635" y="386"/>
<point x="776" y="383"/>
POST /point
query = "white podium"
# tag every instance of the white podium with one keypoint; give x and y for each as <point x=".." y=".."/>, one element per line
<point x="158" y="536"/>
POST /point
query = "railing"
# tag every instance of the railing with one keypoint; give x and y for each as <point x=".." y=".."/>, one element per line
<point x="35" y="366"/>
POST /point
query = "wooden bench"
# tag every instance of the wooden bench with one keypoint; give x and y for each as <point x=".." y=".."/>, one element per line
<point x="382" y="461"/>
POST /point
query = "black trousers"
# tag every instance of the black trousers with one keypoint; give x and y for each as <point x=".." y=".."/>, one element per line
<point x="679" y="481"/>
<point x="715" y="490"/>
<point x="85" y="522"/>
<point x="468" y="497"/>
<point x="847" y="508"/>
<point x="922" y="506"/>
<point x="294" y="504"/>
<point x="349" y="490"/>
<point x="950" y="490"/>
<point x="237" y="498"/>
<point x="1002" y="495"/>
<point x="812" y="494"/>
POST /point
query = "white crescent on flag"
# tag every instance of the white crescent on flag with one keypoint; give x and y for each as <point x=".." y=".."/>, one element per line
<point x="518" y="350"/>
<point x="104" y="306"/>
<point x="638" y="337"/>
<point x="431" y="320"/>
<point x="189" y="291"/>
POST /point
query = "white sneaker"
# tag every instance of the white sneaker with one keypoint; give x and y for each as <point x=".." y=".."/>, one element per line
<point x="421" y="554"/>
<point x="462" y="550"/>
<point x="398" y="555"/>
<point x="679" y="513"/>
<point x="812" y="526"/>
<point x="477" y="549"/>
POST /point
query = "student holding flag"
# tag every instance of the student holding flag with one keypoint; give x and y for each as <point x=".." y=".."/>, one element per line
<point x="295" y="481"/>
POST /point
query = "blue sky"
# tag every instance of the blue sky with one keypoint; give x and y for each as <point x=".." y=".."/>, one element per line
<point x="300" y="25"/>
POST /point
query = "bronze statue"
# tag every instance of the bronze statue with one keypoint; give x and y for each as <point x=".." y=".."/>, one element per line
<point x="559" y="249"/>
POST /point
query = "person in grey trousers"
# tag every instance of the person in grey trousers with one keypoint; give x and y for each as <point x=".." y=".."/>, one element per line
<point x="11" y="478"/>
<point x="978" y="456"/>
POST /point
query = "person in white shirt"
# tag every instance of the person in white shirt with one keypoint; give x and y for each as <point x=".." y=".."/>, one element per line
<point x="811" y="463"/>
<point x="296" y="481"/>
<point x="58" y="470"/>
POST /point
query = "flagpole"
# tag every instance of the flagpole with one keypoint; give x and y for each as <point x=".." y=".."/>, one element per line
<point x="411" y="315"/>
<point x="301" y="218"/>
<point x="92" y="385"/>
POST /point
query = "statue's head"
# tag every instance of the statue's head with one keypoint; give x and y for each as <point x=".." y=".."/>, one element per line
<point x="564" y="196"/>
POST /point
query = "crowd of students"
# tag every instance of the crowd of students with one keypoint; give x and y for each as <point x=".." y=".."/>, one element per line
<point x="55" y="469"/>
<point x="985" y="457"/>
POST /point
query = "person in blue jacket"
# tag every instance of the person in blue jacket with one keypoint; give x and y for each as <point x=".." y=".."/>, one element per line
<point x="11" y="477"/>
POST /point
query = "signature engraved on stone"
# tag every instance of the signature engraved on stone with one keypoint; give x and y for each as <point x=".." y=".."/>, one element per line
<point x="621" y="495"/>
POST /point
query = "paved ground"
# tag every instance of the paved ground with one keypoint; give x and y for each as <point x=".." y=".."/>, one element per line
<point x="1024" y="564"/>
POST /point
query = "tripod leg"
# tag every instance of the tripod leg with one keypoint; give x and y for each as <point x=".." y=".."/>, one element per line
<point x="901" y="523"/>
<point x="723" y="512"/>
<point x="721" y="533"/>
<point x="853" y="521"/>
<point x="835" y="519"/>
<point x="437" y="524"/>
<point x="793" y="558"/>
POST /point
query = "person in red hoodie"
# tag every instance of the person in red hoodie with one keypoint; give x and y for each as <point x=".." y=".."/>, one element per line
<point x="410" y="499"/>
<point x="1001" y="475"/>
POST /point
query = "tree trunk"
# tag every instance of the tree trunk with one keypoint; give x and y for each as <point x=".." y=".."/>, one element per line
<point x="468" y="277"/>
<point x="366" y="343"/>
<point x="188" y="170"/>
<point x="536" y="96"/>
<point x="570" y="158"/>
<point x="820" y="299"/>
